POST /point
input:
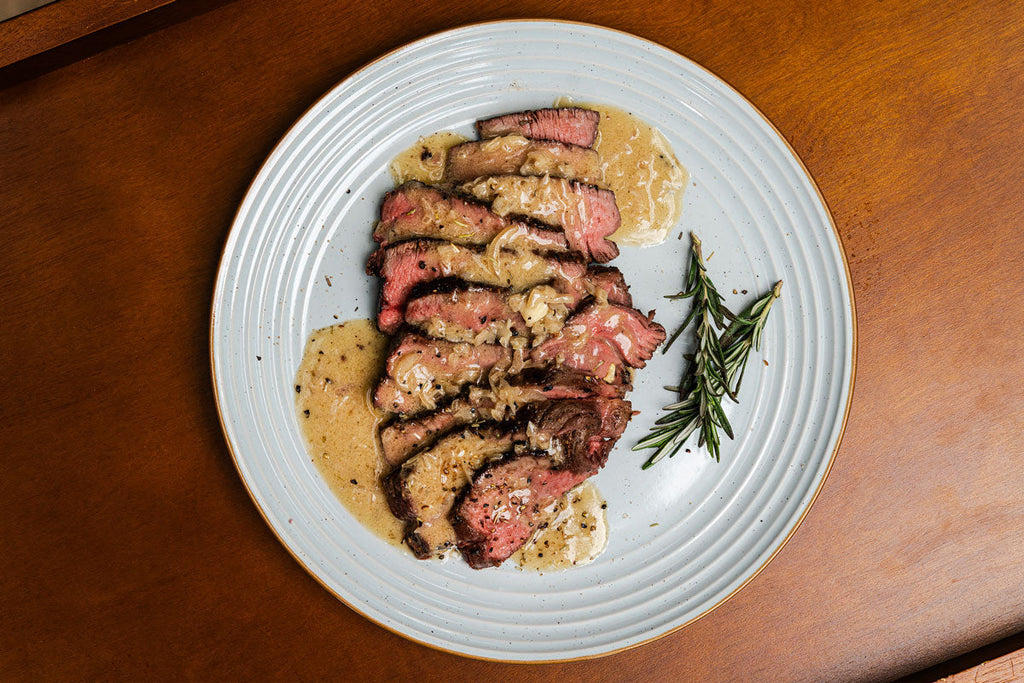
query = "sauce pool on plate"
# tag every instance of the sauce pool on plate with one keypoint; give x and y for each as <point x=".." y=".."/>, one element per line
<point x="640" y="167"/>
<point x="573" y="532"/>
<point x="425" y="160"/>
<point x="340" y="367"/>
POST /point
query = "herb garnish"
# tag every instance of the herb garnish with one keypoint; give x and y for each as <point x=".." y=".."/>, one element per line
<point x="716" y="367"/>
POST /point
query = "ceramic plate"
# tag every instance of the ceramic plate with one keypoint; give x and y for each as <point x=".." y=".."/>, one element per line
<point x="684" y="535"/>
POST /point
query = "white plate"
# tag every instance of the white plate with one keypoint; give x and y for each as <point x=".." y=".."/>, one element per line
<point x="684" y="535"/>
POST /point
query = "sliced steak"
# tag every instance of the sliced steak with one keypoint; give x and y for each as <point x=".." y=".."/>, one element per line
<point x="583" y="431"/>
<point x="609" y="279"/>
<point x="602" y="340"/>
<point x="466" y="313"/>
<point x="419" y="371"/>
<point x="423" y="490"/>
<point x="414" y="210"/>
<point x="460" y="311"/>
<point x="405" y="265"/>
<point x="401" y="438"/>
<point x="573" y="125"/>
<point x="587" y="214"/>
<point x="517" y="155"/>
<point x="498" y="513"/>
<point x="546" y="383"/>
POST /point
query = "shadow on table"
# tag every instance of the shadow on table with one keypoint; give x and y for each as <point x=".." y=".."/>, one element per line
<point x="968" y="660"/>
<point x="98" y="41"/>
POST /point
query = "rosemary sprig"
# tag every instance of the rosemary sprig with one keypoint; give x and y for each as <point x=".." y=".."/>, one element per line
<point x="708" y="306"/>
<point x="744" y="334"/>
<point x="700" y="407"/>
<point x="716" y="368"/>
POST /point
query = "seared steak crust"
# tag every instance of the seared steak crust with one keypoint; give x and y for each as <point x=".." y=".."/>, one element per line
<point x="573" y="125"/>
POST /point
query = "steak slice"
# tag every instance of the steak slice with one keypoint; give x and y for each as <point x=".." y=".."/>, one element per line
<point x="420" y="371"/>
<point x="449" y="308"/>
<point x="584" y="431"/>
<point x="587" y="214"/>
<point x="423" y="490"/>
<point x="414" y="210"/>
<point x="573" y="125"/>
<point x="609" y="279"/>
<point x="602" y="340"/>
<point x="465" y="312"/>
<point x="517" y="155"/>
<point x="405" y="265"/>
<point x="498" y="513"/>
<point x="401" y="438"/>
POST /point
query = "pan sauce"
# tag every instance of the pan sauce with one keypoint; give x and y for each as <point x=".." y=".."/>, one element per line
<point x="340" y="367"/>
<point x="425" y="160"/>
<point x="643" y="172"/>
<point x="576" y="532"/>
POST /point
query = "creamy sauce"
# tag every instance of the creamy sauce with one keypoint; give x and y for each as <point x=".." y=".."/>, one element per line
<point x="340" y="367"/>
<point x="643" y="172"/>
<point x="506" y="268"/>
<point x="546" y="198"/>
<point x="647" y="179"/>
<point x="576" y="532"/>
<point x="425" y="160"/>
<point x="500" y="332"/>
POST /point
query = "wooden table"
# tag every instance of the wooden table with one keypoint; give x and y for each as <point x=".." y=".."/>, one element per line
<point x="130" y="547"/>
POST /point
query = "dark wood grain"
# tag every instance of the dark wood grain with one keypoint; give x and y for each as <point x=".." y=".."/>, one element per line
<point x="64" y="21"/>
<point x="131" y="550"/>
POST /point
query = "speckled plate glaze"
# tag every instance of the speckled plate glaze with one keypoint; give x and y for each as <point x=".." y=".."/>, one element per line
<point x="685" y="535"/>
